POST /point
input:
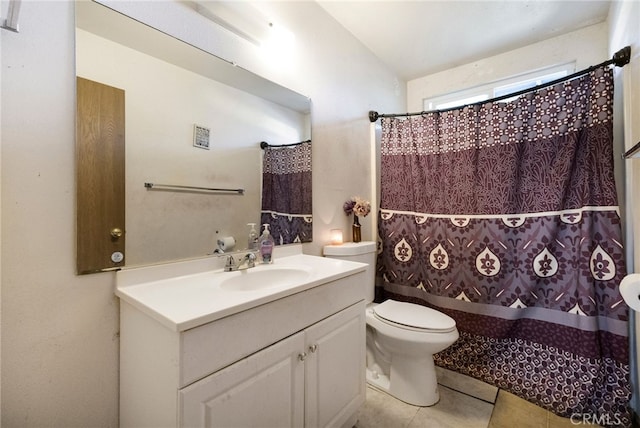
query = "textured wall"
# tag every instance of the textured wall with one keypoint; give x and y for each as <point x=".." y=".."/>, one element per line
<point x="59" y="331"/>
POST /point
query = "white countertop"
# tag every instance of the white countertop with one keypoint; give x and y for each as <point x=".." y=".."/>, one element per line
<point x="182" y="300"/>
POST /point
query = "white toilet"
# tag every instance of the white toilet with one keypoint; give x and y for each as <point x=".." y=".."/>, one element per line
<point x="401" y="337"/>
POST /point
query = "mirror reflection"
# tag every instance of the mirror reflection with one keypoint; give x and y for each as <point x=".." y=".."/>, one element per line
<point x="192" y="121"/>
<point x="286" y="191"/>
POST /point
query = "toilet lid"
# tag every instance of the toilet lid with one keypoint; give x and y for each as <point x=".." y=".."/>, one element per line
<point x="416" y="316"/>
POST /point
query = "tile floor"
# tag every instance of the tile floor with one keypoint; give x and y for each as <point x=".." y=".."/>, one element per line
<point x="456" y="410"/>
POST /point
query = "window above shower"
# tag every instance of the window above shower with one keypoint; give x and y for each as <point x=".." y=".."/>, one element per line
<point x="498" y="88"/>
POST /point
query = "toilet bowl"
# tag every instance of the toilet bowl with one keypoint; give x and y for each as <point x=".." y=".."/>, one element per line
<point x="409" y="343"/>
<point x="401" y="337"/>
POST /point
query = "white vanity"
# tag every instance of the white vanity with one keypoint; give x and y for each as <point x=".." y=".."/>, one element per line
<point x="279" y="345"/>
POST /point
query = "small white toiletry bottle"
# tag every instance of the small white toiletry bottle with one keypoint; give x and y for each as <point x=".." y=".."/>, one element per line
<point x="252" y="242"/>
<point x="266" y="245"/>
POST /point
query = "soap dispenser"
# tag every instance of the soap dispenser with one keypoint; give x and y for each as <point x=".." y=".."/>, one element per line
<point x="266" y="245"/>
<point x="252" y="242"/>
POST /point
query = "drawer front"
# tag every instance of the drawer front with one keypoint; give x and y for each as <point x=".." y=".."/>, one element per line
<point x="211" y="347"/>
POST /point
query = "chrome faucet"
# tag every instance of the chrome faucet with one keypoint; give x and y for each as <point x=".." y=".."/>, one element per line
<point x="248" y="260"/>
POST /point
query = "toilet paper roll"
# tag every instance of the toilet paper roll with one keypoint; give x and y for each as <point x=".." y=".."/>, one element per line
<point x="226" y="243"/>
<point x="630" y="290"/>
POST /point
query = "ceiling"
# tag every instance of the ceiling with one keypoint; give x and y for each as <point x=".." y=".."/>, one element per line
<point x="418" y="38"/>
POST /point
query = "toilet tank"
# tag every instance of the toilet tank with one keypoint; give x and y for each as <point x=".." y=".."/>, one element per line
<point x="363" y="252"/>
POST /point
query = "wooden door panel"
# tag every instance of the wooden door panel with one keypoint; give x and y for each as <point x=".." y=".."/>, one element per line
<point x="100" y="176"/>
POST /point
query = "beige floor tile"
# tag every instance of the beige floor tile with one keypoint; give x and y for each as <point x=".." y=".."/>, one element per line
<point x="383" y="411"/>
<point x="512" y="411"/>
<point x="556" y="421"/>
<point x="458" y="410"/>
<point x="454" y="410"/>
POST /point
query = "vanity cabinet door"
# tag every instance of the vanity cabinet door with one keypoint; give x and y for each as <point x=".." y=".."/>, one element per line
<point x="265" y="389"/>
<point x="335" y="368"/>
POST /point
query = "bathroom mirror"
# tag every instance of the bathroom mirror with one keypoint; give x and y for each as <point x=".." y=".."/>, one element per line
<point x="192" y="119"/>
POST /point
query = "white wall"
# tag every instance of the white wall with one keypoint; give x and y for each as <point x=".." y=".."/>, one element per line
<point x="586" y="47"/>
<point x="59" y="338"/>
<point x="60" y="331"/>
<point x="624" y="30"/>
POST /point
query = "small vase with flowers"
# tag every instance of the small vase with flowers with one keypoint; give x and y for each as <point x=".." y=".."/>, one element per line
<point x="359" y="208"/>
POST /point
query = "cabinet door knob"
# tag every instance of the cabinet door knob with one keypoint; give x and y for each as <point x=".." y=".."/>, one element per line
<point x="302" y="356"/>
<point x="313" y="348"/>
<point x="116" y="232"/>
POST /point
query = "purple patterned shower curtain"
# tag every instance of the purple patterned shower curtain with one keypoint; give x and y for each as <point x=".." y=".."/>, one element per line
<point x="504" y="216"/>
<point x="286" y="193"/>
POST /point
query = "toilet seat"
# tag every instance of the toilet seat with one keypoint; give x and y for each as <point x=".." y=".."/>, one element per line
<point x="410" y="316"/>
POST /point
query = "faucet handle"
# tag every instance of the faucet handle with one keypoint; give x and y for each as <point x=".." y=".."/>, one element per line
<point x="252" y="259"/>
<point x="230" y="264"/>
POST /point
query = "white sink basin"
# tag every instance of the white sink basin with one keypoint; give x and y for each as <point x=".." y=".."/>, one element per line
<point x="184" y="295"/>
<point x="262" y="278"/>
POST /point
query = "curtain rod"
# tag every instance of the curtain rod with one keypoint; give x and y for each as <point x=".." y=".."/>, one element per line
<point x="619" y="59"/>
<point x="264" y="144"/>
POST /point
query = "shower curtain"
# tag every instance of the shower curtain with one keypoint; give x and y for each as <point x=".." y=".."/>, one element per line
<point x="286" y="192"/>
<point x="504" y="216"/>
